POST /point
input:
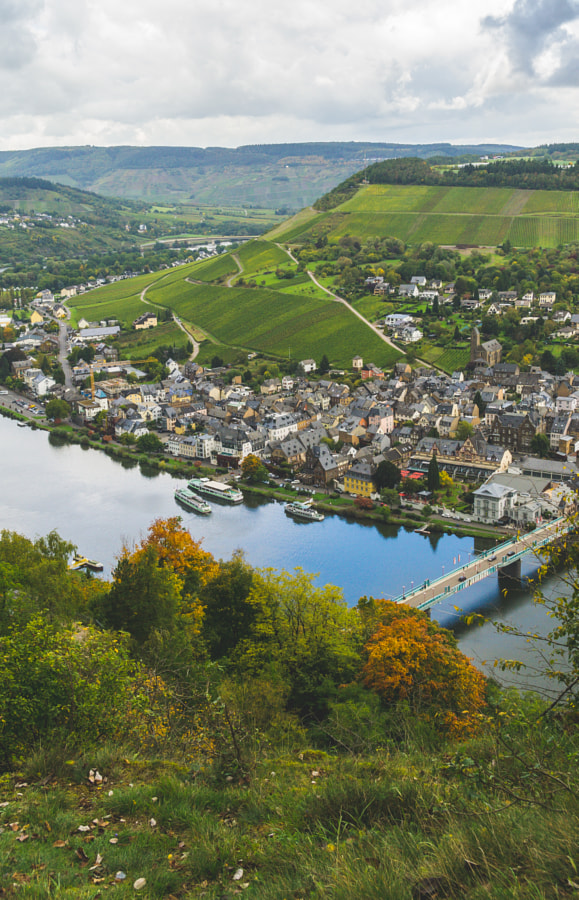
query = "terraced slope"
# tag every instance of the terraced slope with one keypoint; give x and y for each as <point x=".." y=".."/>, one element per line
<point x="447" y="215"/>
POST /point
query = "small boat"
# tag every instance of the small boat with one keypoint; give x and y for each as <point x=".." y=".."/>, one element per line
<point x="303" y="511"/>
<point x="81" y="562"/>
<point x="192" y="501"/>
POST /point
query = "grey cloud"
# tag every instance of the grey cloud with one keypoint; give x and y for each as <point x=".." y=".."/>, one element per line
<point x="531" y="27"/>
<point x="17" y="42"/>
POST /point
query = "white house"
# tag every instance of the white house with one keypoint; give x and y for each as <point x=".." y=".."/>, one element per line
<point x="308" y="365"/>
<point x="492" y="502"/>
<point x="408" y="290"/>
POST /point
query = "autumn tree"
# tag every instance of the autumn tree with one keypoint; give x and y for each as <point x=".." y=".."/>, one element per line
<point x="253" y="469"/>
<point x="144" y="596"/>
<point x="178" y="553"/>
<point x="410" y="658"/>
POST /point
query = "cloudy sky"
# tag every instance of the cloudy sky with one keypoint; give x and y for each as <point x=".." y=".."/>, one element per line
<point x="231" y="72"/>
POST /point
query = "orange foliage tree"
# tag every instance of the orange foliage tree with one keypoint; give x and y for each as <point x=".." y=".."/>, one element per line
<point x="409" y="658"/>
<point x="177" y="551"/>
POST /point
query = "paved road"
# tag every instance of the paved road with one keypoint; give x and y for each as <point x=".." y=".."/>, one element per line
<point x="62" y="355"/>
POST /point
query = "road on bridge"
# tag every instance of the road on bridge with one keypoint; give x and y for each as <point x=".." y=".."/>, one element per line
<point x="498" y="558"/>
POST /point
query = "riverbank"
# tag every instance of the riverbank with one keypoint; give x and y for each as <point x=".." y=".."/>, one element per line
<point x="340" y="505"/>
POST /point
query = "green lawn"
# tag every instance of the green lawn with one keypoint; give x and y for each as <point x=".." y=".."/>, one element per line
<point x="141" y="344"/>
<point x="449" y="359"/>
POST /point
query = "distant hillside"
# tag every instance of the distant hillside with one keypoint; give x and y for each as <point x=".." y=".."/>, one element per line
<point x="265" y="175"/>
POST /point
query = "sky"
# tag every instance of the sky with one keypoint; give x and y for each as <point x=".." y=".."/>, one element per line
<point x="231" y="72"/>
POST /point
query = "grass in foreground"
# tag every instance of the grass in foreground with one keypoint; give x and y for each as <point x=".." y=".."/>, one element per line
<point x="299" y="824"/>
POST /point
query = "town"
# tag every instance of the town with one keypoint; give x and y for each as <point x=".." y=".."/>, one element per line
<point x="490" y="444"/>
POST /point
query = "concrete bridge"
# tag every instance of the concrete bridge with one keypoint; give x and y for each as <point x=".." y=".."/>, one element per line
<point x="504" y="558"/>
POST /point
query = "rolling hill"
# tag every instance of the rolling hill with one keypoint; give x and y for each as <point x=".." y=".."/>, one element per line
<point x="265" y="175"/>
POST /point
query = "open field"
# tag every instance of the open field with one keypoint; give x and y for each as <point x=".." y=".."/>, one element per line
<point x="449" y="359"/>
<point x="447" y="215"/>
<point x="140" y="344"/>
<point x="277" y="324"/>
<point x="213" y="269"/>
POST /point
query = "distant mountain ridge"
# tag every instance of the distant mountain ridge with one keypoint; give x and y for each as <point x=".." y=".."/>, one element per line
<point x="268" y="175"/>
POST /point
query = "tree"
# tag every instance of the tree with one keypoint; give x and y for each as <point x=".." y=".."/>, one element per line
<point x="456" y="335"/>
<point x="150" y="443"/>
<point x="433" y="477"/>
<point x="306" y="634"/>
<point x="540" y="445"/>
<point x="144" y="596"/>
<point x="57" y="409"/>
<point x="480" y="404"/>
<point x="436" y="307"/>
<point x="253" y="469"/>
<point x="387" y="475"/>
<point x="409" y="658"/>
<point x="463" y="430"/>
<point x="74" y="686"/>
<point x="227" y="613"/>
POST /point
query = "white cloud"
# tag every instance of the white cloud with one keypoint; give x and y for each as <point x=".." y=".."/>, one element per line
<point x="229" y="72"/>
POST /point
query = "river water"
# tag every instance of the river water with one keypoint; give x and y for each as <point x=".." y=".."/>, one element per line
<point x="99" y="504"/>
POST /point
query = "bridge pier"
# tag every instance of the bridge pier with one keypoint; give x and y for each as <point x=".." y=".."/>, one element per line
<point x="512" y="571"/>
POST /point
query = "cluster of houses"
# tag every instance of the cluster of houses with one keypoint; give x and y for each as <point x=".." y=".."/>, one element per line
<point x="13" y="220"/>
<point x="329" y="435"/>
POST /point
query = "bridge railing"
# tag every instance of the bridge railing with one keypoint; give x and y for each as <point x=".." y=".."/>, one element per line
<point x="555" y="529"/>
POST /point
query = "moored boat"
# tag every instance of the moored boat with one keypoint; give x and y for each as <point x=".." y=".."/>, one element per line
<point x="303" y="511"/>
<point x="192" y="501"/>
<point x="81" y="562"/>
<point x="216" y="489"/>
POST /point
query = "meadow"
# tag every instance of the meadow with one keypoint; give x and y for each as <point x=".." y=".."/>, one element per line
<point x="141" y="344"/>
<point x="258" y="256"/>
<point x="448" y="359"/>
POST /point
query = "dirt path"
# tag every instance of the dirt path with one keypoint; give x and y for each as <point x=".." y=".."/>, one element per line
<point x="184" y="328"/>
<point x="239" y="265"/>
<point x="345" y="303"/>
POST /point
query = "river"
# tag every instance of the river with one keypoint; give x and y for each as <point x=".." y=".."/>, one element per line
<point x="99" y="504"/>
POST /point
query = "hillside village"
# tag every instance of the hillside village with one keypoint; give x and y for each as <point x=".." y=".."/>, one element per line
<point x="490" y="426"/>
